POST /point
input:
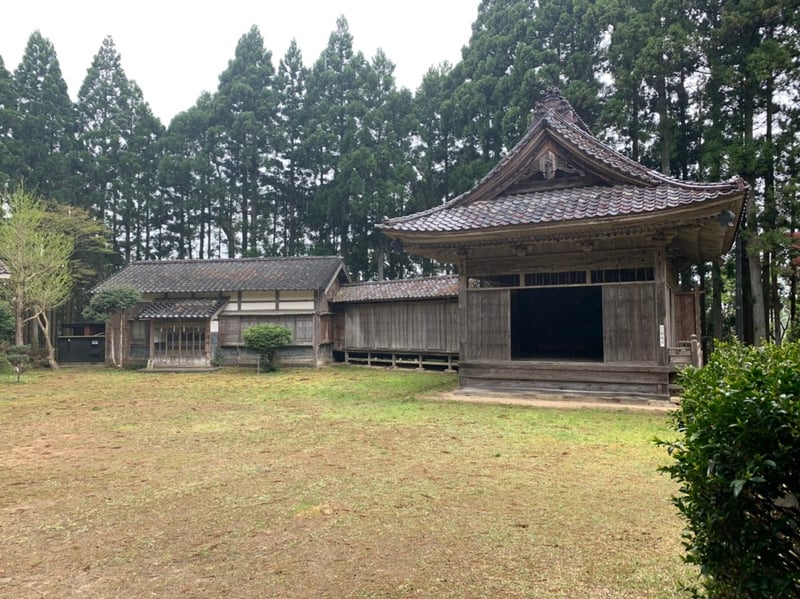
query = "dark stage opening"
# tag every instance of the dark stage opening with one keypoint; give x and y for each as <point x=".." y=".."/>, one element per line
<point x="557" y="323"/>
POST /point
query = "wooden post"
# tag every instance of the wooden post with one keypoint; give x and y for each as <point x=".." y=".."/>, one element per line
<point x="463" y="321"/>
<point x="697" y="352"/>
<point x="663" y="332"/>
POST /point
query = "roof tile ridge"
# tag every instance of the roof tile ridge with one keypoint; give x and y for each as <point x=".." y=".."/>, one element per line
<point x="409" y="217"/>
<point x="538" y="122"/>
<point x="235" y="259"/>
<point x="654" y="175"/>
<point x="637" y="168"/>
<point x="398" y="281"/>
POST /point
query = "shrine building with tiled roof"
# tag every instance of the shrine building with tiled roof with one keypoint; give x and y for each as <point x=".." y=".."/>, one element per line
<point x="568" y="253"/>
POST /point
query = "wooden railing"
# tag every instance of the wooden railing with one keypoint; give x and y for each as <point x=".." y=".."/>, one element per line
<point x="686" y="353"/>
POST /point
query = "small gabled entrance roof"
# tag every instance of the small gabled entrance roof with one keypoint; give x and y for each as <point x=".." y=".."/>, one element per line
<point x="179" y="309"/>
<point x="561" y="182"/>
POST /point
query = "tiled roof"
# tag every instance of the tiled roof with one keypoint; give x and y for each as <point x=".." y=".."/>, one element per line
<point x="556" y="205"/>
<point x="181" y="308"/>
<point x="621" y="186"/>
<point x="403" y="289"/>
<point x="237" y="274"/>
<point x="4" y="272"/>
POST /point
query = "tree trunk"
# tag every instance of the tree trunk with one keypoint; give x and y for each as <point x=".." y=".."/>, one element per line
<point x="379" y="257"/>
<point x="111" y="342"/>
<point x="716" y="301"/>
<point x="19" y="317"/>
<point x="121" y="338"/>
<point x="756" y="283"/>
<point x="44" y="327"/>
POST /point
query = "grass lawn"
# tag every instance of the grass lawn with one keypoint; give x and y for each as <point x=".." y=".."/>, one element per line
<point x="339" y="482"/>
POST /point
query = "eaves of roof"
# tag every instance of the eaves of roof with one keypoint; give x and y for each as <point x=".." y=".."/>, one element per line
<point x="615" y="186"/>
<point x="227" y="275"/>
<point x="547" y="208"/>
<point x="421" y="288"/>
<point x="179" y="309"/>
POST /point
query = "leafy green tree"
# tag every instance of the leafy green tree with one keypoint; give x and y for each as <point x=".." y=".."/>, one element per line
<point x="38" y="259"/>
<point x="44" y="123"/>
<point x="267" y="339"/>
<point x="565" y="51"/>
<point x="6" y="323"/>
<point x="92" y="258"/>
<point x="109" y="305"/>
<point x="479" y="96"/>
<point x="483" y="95"/>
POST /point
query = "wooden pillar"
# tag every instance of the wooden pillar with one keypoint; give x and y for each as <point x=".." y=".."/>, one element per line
<point x="151" y="343"/>
<point x="663" y="335"/>
<point x="316" y="324"/>
<point x="463" y="324"/>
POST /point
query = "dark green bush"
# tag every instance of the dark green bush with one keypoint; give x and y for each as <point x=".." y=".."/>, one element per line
<point x="267" y="339"/>
<point x="5" y="365"/>
<point x="7" y="323"/>
<point x="737" y="460"/>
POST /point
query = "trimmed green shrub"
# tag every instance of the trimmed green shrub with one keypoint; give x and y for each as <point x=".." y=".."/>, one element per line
<point x="267" y="339"/>
<point x="737" y="460"/>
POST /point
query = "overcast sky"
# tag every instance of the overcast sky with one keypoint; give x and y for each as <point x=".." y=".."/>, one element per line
<point x="175" y="50"/>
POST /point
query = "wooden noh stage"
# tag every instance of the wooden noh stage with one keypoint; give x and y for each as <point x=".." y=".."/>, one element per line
<point x="568" y="253"/>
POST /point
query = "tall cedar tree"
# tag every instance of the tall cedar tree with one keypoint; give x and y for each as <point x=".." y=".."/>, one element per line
<point x="307" y="161"/>
<point x="43" y="125"/>
<point x="118" y="135"/>
<point x="192" y="185"/>
<point x="245" y="106"/>
<point x="295" y="180"/>
<point x="383" y="164"/>
<point x="335" y="110"/>
<point x="9" y="147"/>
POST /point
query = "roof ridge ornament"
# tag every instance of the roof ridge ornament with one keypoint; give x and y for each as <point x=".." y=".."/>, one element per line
<point x="554" y="102"/>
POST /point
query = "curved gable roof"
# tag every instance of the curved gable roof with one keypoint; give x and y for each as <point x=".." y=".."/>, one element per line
<point x="559" y="175"/>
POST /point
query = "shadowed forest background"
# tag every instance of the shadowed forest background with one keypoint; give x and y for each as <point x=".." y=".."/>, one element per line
<point x="297" y="155"/>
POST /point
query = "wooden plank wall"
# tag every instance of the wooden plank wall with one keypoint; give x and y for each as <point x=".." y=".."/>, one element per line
<point x="231" y="327"/>
<point x="630" y="330"/>
<point x="402" y="326"/>
<point x="489" y="325"/>
<point x="687" y="316"/>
